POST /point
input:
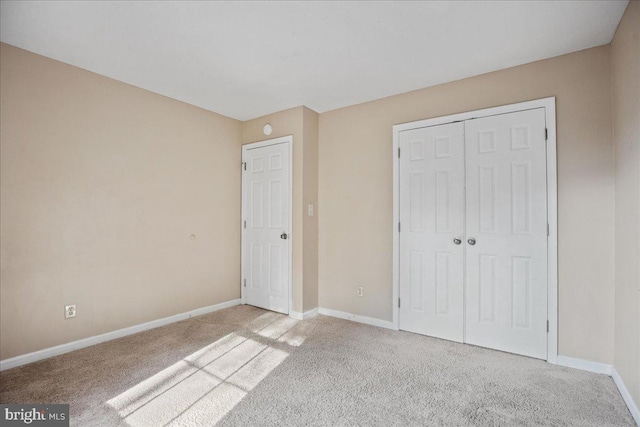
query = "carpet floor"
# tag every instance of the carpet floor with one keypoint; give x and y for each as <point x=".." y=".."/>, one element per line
<point x="244" y="366"/>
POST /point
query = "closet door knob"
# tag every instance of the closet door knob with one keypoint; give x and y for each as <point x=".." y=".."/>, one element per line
<point x="457" y="240"/>
<point x="471" y="241"/>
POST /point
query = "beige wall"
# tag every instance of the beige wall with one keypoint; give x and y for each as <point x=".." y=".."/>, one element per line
<point x="302" y="123"/>
<point x="625" y="72"/>
<point x="102" y="185"/>
<point x="355" y="191"/>
<point x="310" y="196"/>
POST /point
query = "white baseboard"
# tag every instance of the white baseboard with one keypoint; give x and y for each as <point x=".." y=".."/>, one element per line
<point x="303" y="316"/>
<point x="357" y="318"/>
<point x="310" y="313"/>
<point x="603" y="368"/>
<point x="626" y="396"/>
<point x="585" y="365"/>
<point x="97" y="339"/>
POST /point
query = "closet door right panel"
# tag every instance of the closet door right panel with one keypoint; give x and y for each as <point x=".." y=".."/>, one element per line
<point x="506" y="232"/>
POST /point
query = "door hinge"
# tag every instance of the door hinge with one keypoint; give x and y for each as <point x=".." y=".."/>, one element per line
<point x="245" y="283"/>
<point x="398" y="302"/>
<point x="398" y="227"/>
<point x="547" y="326"/>
<point x="547" y="229"/>
<point x="244" y="165"/>
<point x="398" y="152"/>
<point x="245" y="223"/>
<point x="546" y="134"/>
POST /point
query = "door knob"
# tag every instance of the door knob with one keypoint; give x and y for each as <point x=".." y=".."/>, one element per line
<point x="283" y="236"/>
<point x="471" y="241"/>
<point x="457" y="240"/>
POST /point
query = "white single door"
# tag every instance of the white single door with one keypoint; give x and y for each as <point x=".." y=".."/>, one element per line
<point x="432" y="229"/>
<point x="266" y="244"/>
<point x="506" y="233"/>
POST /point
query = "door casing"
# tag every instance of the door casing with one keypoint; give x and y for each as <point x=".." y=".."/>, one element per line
<point x="243" y="262"/>
<point x="549" y="104"/>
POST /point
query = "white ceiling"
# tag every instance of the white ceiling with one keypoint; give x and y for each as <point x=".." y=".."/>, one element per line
<point x="247" y="59"/>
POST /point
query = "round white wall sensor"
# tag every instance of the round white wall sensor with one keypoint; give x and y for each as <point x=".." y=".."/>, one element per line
<point x="267" y="129"/>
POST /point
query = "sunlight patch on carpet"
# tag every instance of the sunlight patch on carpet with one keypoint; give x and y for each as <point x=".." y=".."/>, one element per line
<point x="203" y="387"/>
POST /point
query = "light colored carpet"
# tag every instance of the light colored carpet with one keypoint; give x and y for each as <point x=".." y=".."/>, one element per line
<point x="244" y="366"/>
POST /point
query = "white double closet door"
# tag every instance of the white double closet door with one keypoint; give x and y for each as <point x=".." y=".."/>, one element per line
<point x="473" y="240"/>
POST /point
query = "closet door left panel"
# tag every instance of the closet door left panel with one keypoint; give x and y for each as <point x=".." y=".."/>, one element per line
<point x="432" y="230"/>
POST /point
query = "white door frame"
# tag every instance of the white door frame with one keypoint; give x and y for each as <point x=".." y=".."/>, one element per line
<point x="282" y="140"/>
<point x="549" y="104"/>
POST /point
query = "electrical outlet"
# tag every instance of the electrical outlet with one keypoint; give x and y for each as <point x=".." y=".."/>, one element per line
<point x="69" y="311"/>
<point x="360" y="291"/>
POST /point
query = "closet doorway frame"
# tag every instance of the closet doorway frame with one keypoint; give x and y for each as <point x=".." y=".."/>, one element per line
<point x="549" y="105"/>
